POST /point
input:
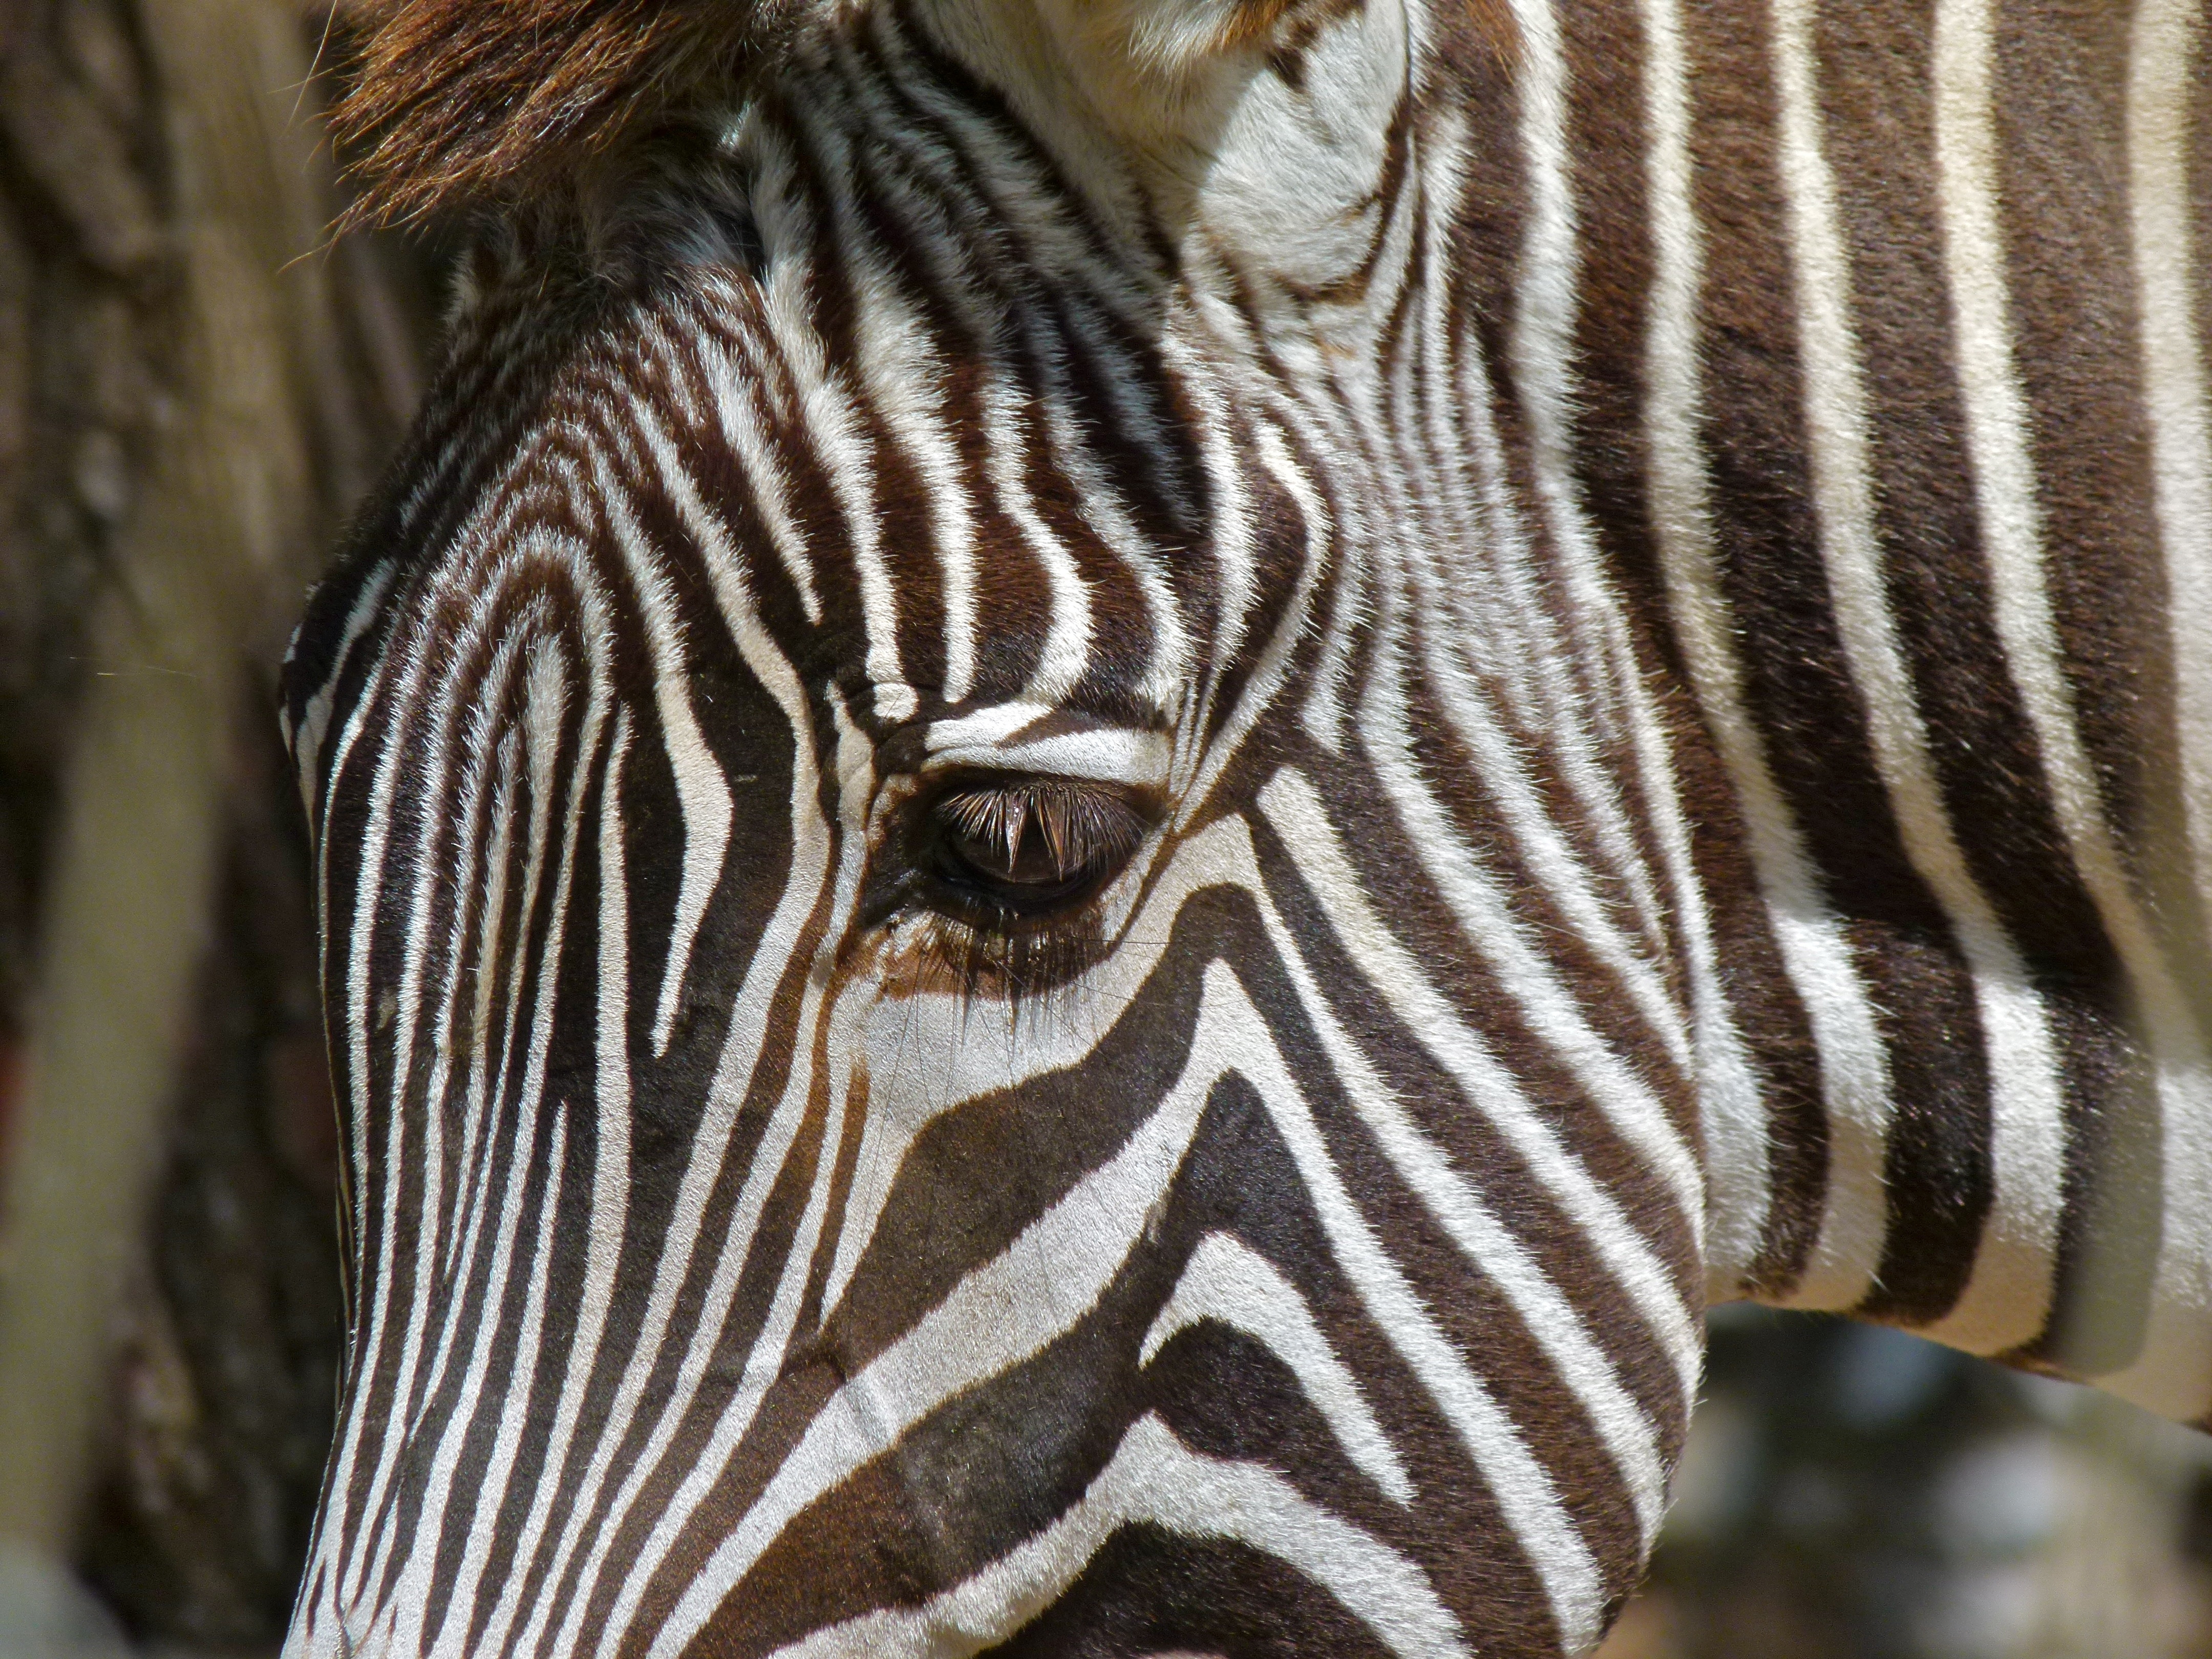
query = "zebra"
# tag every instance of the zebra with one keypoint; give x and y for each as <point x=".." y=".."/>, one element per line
<point x="1114" y="789"/>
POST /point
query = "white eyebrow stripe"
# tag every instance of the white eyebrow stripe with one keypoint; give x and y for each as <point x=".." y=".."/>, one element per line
<point x="1110" y="754"/>
<point x="993" y="724"/>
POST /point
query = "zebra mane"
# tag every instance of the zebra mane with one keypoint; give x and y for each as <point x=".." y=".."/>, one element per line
<point x="456" y="100"/>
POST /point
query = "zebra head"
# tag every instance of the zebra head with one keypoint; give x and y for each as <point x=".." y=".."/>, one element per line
<point x="1011" y="951"/>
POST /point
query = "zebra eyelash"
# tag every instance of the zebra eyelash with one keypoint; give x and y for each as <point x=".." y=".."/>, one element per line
<point x="1081" y="828"/>
<point x="1005" y="871"/>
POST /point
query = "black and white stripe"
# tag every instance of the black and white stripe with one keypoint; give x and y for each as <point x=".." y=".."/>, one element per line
<point x="1646" y="565"/>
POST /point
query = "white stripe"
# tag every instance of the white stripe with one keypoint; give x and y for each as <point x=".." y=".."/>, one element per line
<point x="1270" y="670"/>
<point x="1066" y="648"/>
<point x="743" y="426"/>
<point x="2165" y="74"/>
<point x="1738" y="1176"/>
<point x="756" y="432"/>
<point x="1462" y="438"/>
<point x="1226" y="460"/>
<point x="493" y="947"/>
<point x="1227" y="1281"/>
<point x="1541" y="347"/>
<point x="307" y="742"/>
<point x="990" y="738"/>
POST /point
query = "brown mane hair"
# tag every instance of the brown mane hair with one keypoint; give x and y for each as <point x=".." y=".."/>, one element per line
<point x="455" y="99"/>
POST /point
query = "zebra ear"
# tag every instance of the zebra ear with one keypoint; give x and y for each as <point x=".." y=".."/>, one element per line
<point x="452" y="100"/>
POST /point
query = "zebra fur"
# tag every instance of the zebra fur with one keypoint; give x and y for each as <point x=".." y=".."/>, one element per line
<point x="1628" y="573"/>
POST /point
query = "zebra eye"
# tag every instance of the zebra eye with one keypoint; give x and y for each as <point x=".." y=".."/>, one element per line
<point x="1036" y="844"/>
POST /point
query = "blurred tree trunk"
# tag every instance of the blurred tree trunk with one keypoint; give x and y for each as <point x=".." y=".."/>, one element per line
<point x="191" y="391"/>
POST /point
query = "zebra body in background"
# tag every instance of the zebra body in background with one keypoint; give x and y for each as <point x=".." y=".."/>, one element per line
<point x="1115" y="789"/>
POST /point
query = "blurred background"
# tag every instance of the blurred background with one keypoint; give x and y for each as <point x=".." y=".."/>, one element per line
<point x="194" y="384"/>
